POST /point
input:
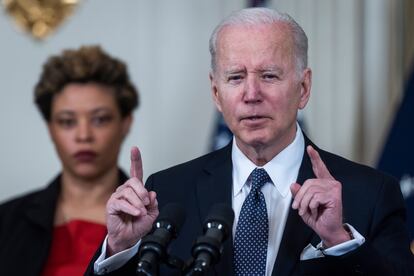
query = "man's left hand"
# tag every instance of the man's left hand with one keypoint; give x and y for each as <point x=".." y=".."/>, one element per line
<point x="319" y="202"/>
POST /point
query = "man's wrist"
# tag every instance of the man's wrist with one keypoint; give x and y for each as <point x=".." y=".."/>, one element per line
<point x="113" y="249"/>
<point x="344" y="235"/>
<point x="348" y="230"/>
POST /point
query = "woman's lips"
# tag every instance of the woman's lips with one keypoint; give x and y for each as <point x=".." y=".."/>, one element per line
<point x="85" y="156"/>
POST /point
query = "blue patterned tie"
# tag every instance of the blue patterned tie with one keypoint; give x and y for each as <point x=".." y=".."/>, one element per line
<point x="250" y="242"/>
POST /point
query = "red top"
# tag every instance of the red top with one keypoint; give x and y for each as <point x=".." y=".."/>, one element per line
<point x="73" y="246"/>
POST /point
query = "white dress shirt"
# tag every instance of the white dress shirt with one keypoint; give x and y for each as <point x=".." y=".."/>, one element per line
<point x="283" y="170"/>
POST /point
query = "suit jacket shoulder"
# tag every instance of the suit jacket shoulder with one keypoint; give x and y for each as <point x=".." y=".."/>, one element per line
<point x="207" y="171"/>
<point x="193" y="167"/>
<point x="26" y="224"/>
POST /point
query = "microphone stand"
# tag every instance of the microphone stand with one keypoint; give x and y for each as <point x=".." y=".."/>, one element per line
<point x="153" y="247"/>
<point x="208" y="252"/>
<point x="147" y="266"/>
<point x="208" y="248"/>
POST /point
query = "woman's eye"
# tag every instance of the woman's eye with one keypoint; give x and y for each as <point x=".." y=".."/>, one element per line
<point x="101" y="120"/>
<point x="66" y="122"/>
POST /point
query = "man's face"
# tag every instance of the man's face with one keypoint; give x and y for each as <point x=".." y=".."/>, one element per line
<point x="257" y="87"/>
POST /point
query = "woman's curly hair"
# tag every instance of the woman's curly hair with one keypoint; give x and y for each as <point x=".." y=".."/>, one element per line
<point x="88" y="64"/>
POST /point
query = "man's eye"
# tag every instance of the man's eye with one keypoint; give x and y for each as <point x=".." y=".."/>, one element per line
<point x="66" y="122"/>
<point x="235" y="78"/>
<point x="270" y="77"/>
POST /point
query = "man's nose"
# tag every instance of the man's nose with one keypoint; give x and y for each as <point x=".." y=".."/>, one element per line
<point x="252" y="91"/>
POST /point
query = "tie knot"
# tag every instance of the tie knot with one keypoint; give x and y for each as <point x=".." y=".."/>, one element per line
<point x="259" y="178"/>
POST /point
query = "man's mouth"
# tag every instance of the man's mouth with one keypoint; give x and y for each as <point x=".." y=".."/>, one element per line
<point x="253" y="118"/>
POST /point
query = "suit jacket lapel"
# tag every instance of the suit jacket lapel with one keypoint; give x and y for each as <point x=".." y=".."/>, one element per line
<point x="297" y="235"/>
<point x="215" y="186"/>
<point x="41" y="208"/>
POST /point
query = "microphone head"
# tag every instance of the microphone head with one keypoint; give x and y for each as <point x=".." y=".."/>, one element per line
<point x="221" y="213"/>
<point x="174" y="214"/>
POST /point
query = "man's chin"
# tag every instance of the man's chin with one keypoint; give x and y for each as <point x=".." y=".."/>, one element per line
<point x="255" y="141"/>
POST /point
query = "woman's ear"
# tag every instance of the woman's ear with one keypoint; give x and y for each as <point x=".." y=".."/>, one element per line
<point x="126" y="125"/>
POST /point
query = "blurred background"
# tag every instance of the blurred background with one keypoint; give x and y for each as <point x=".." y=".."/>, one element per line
<point x="361" y="53"/>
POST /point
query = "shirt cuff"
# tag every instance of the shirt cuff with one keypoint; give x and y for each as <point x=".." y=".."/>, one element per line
<point x="310" y="252"/>
<point x="105" y="265"/>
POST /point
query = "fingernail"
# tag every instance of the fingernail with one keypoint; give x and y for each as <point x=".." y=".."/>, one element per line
<point x="294" y="205"/>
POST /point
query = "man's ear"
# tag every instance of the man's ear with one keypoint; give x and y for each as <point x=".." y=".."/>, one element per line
<point x="214" y="90"/>
<point x="305" y="88"/>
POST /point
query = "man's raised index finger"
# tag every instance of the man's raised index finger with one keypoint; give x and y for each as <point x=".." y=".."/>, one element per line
<point x="318" y="166"/>
<point x="136" y="163"/>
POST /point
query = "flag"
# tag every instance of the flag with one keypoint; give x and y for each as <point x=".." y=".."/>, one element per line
<point x="398" y="154"/>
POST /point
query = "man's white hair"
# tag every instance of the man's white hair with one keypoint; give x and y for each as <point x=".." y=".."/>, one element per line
<point x="257" y="16"/>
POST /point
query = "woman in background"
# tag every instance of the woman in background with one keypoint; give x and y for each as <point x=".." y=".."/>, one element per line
<point x="86" y="99"/>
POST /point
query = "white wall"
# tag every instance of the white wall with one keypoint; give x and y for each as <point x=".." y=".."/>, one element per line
<point x="165" y="44"/>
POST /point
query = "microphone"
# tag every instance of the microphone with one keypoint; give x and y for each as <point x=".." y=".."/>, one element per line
<point x="208" y="248"/>
<point x="153" y="248"/>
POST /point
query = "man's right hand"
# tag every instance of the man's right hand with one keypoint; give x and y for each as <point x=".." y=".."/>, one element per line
<point x="131" y="210"/>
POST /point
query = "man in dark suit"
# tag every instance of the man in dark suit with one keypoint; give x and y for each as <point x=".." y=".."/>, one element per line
<point x="337" y="218"/>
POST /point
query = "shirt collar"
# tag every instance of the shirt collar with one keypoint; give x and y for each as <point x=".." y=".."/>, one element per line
<point x="282" y="169"/>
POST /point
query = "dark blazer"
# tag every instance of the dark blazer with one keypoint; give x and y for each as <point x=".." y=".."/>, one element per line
<point x="372" y="203"/>
<point x="26" y="227"/>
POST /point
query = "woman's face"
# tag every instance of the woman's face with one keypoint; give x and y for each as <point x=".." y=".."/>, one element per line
<point x="87" y="129"/>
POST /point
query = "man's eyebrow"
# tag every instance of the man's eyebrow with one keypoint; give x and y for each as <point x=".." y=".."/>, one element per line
<point x="234" y="71"/>
<point x="275" y="68"/>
